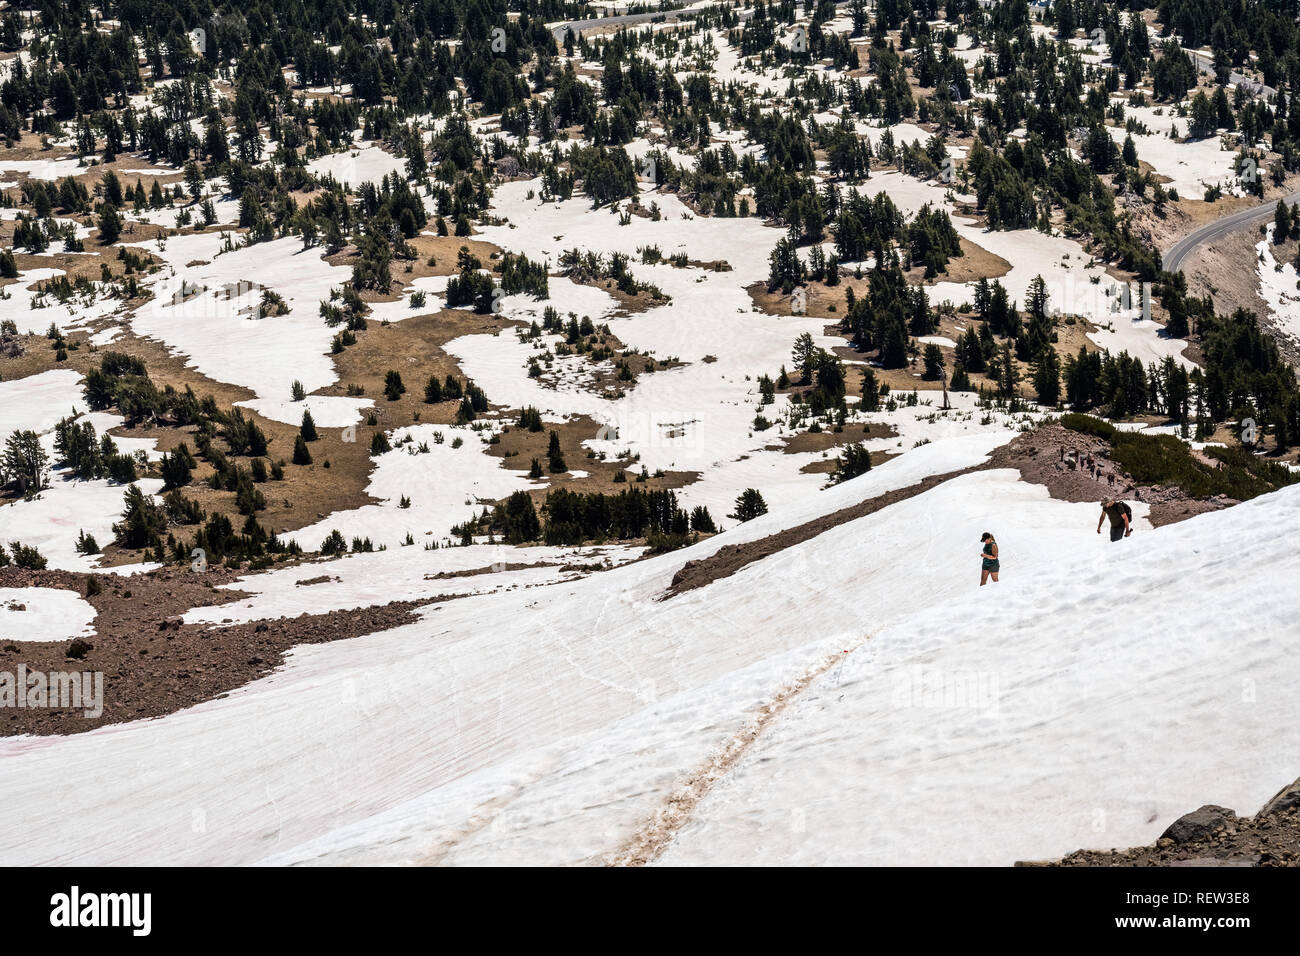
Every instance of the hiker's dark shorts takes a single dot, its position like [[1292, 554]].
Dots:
[[993, 565], [1116, 532]]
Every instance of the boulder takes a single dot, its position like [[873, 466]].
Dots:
[[1286, 798], [1199, 824]]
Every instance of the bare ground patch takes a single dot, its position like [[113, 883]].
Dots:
[[153, 663]]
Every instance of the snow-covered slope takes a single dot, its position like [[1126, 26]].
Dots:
[[1123, 683], [1090, 705]]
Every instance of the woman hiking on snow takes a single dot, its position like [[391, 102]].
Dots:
[[989, 554]]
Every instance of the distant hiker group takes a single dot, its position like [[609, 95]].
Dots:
[[1074, 460]]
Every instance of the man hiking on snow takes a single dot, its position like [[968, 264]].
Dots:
[[1120, 515]]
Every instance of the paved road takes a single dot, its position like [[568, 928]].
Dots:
[[1203, 61], [579, 26], [1172, 260]]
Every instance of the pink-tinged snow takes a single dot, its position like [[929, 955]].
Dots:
[[37, 402], [366, 579], [534, 725], [779, 476], [1094, 52], [52, 521], [1142, 338], [225, 208], [641, 147], [1279, 287], [904, 134], [1068, 273], [79, 230], [48, 614], [730, 67], [910, 194], [446, 485], [225, 339], [327, 411]]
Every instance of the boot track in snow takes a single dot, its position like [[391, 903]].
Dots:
[[655, 835]]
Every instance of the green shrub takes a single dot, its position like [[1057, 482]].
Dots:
[[1167, 460], [1088, 425]]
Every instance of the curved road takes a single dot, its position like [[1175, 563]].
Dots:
[[1172, 260], [1205, 63]]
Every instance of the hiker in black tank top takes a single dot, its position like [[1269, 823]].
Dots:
[[989, 563]]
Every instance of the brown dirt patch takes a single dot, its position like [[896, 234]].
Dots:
[[518, 447], [825, 440], [414, 349], [975, 263], [1076, 467], [153, 664]]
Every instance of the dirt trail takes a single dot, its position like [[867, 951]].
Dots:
[[658, 832]]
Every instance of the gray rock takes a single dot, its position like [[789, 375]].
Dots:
[[1285, 799], [1198, 824]]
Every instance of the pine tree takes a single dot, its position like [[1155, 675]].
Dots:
[[1281, 222], [870, 390], [1130, 151], [702, 521], [854, 460], [555, 455], [110, 225], [24, 462], [143, 521], [1008, 371], [749, 505], [393, 387], [960, 380], [933, 363], [301, 456], [307, 431], [1047, 377]]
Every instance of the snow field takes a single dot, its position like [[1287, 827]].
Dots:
[[48, 614]]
